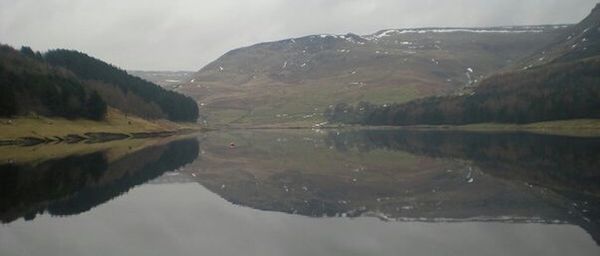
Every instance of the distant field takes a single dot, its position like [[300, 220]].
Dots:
[[166, 79]]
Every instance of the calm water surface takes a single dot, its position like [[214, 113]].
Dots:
[[308, 192]]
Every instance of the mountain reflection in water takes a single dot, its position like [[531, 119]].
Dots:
[[76, 184], [396, 176], [427, 176]]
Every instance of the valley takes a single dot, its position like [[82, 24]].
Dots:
[[300, 127], [167, 79]]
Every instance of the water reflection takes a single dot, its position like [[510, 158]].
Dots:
[[372, 191], [400, 175], [569, 167], [76, 184]]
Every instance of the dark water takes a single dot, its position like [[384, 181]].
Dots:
[[365, 192]]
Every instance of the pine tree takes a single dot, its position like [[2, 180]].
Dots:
[[96, 107]]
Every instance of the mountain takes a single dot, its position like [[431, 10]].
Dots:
[[577, 42], [560, 81], [294, 80]]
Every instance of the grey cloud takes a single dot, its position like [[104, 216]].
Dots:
[[187, 34]]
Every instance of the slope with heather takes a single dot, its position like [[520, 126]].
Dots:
[[294, 80], [564, 83]]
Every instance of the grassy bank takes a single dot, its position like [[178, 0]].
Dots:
[[115, 122]]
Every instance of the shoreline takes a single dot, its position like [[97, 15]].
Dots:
[[575, 127], [30, 131], [34, 130], [92, 137]]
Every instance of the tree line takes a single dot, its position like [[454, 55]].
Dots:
[[551, 92], [72, 84], [28, 85], [175, 106]]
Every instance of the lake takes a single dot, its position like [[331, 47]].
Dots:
[[305, 192]]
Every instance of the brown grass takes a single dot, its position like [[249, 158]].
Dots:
[[116, 122]]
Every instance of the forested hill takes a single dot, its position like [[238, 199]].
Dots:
[[27, 84], [71, 84], [152, 100], [563, 84]]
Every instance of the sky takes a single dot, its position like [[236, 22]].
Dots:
[[188, 34]]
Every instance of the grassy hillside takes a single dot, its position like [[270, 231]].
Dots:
[[115, 122], [550, 92], [565, 87], [576, 42], [295, 80]]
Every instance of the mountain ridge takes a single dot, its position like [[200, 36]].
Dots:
[[579, 41], [275, 82], [558, 82]]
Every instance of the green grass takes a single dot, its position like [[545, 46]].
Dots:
[[224, 116], [115, 122], [398, 94], [303, 104]]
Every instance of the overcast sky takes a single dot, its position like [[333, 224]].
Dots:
[[188, 34]]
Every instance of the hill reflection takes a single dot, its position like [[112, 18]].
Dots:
[[76, 184], [409, 175]]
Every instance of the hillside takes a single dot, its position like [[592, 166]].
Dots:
[[27, 84], [71, 84], [134, 95], [576, 42], [562, 84], [67, 96], [294, 80], [34, 129]]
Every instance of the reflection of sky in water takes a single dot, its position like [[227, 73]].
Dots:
[[186, 219]]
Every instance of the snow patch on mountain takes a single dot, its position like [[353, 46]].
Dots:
[[391, 32]]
